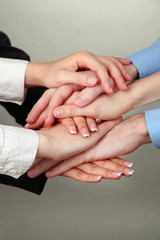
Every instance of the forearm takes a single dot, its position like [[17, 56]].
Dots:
[[139, 93], [35, 74]]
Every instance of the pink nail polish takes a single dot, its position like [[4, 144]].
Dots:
[[93, 127], [73, 130], [128, 164], [97, 178], [128, 171], [85, 132], [116, 174]]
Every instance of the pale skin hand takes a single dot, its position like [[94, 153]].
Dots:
[[87, 172], [107, 107], [55, 97], [64, 71], [123, 139], [56, 144]]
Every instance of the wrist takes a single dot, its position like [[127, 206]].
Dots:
[[142, 130], [132, 71], [42, 150], [34, 75]]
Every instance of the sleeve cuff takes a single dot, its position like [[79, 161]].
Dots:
[[153, 125], [147, 61], [18, 147], [12, 74]]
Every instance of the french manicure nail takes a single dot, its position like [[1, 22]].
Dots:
[[116, 174], [92, 80], [98, 120], [73, 130], [58, 112], [93, 127], [128, 164], [98, 178], [85, 132], [128, 171]]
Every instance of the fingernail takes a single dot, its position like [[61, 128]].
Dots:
[[27, 125], [73, 130], [128, 76], [92, 80], [124, 85], [98, 120], [85, 132], [97, 178], [116, 174], [80, 101], [110, 90], [128, 171], [58, 112], [30, 173], [93, 127], [128, 164]]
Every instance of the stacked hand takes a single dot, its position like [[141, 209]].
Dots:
[[93, 158]]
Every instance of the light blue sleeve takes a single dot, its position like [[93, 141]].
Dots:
[[147, 61], [153, 125]]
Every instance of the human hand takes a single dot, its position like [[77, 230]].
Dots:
[[65, 70], [42, 114], [89, 94], [56, 144], [87, 172], [123, 139]]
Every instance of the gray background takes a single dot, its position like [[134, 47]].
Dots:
[[112, 210]]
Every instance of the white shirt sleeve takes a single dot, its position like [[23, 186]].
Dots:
[[12, 73], [18, 147]]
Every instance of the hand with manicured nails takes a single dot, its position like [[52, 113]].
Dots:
[[123, 139], [87, 172], [56, 144]]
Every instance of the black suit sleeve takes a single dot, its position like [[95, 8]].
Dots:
[[20, 113]]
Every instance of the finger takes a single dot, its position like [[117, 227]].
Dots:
[[124, 61], [122, 162], [70, 125], [88, 95], [40, 106], [100, 171], [88, 60], [115, 73], [81, 176], [38, 123], [70, 110], [91, 124], [82, 126], [40, 168], [58, 99], [36, 162], [123, 70], [113, 166], [80, 78], [80, 158]]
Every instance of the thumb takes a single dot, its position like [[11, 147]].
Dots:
[[69, 110]]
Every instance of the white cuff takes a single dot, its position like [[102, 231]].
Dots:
[[18, 147], [12, 74]]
